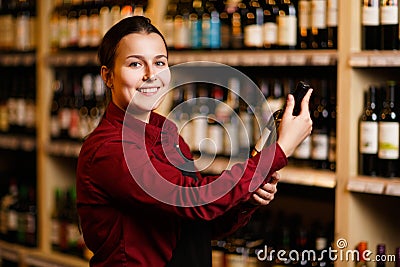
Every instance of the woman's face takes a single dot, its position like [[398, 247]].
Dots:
[[140, 77]]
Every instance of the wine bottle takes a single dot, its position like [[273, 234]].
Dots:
[[370, 25], [73, 25], [7, 30], [270, 26], [389, 21], [298, 94], [195, 24], [287, 25], [181, 26], [388, 125], [253, 26], [304, 28], [319, 31], [380, 255], [332, 23], [83, 24], [368, 144], [361, 248], [94, 24]]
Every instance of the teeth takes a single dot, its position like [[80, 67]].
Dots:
[[148, 90]]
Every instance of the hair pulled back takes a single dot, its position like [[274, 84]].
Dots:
[[109, 44]]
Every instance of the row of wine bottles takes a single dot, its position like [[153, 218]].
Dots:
[[80, 24], [251, 24], [379, 131], [380, 25], [65, 235], [18, 25], [18, 214], [17, 100], [367, 257], [79, 101], [258, 243], [216, 121]]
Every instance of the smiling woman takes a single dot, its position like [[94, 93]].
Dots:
[[134, 147]]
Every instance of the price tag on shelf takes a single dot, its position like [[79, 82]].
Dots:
[[393, 189], [297, 60], [356, 186], [378, 61], [280, 60], [374, 188], [321, 60]]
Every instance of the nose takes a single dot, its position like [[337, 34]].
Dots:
[[149, 73]]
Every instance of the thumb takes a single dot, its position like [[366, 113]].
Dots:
[[289, 106]]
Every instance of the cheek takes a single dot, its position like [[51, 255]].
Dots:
[[165, 76]]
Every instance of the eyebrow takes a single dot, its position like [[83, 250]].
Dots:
[[143, 58]]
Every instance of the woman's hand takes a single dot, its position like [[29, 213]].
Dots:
[[294, 129], [266, 193]]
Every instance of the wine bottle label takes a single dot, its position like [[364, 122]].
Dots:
[[215, 31], [72, 234], [55, 232], [303, 151], [253, 36], [22, 41], [115, 14], [368, 137], [83, 25], [168, 32], [318, 14], [7, 31], [320, 146], [73, 32], [4, 124], [181, 33], [63, 32], [12, 110], [199, 131], [304, 14], [216, 136], [287, 30], [195, 33], [65, 118], [94, 30], [30, 114], [20, 111], [206, 31], [12, 220], [105, 20], [388, 140], [332, 148], [270, 33], [55, 126], [218, 258], [332, 13], [370, 16], [30, 223], [389, 15]]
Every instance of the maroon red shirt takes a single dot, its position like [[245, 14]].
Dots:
[[134, 199]]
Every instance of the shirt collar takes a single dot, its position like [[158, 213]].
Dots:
[[133, 129]]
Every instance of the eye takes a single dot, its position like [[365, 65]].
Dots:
[[161, 63], [135, 64]]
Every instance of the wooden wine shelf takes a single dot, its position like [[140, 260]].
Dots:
[[289, 174], [229, 57], [374, 185], [17, 142], [64, 148], [17, 59], [33, 257], [376, 58]]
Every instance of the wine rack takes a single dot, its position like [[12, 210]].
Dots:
[[365, 208]]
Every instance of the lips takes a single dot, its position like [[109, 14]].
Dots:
[[148, 90]]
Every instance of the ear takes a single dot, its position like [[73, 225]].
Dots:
[[107, 76]]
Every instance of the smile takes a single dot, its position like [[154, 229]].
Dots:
[[150, 90]]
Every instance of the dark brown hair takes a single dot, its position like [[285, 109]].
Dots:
[[109, 44]]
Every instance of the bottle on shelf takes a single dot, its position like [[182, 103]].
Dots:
[[319, 30], [168, 23], [381, 254], [7, 30], [388, 133], [237, 26], [368, 127], [304, 25], [370, 29], [270, 26], [25, 25], [195, 19], [361, 248], [55, 220], [332, 23], [389, 22], [320, 133], [253, 25], [73, 25], [287, 25]]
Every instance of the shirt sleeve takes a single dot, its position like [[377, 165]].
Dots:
[[147, 182]]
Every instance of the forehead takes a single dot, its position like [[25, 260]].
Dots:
[[141, 43]]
